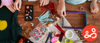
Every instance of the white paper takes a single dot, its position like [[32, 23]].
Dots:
[[66, 23], [54, 29]]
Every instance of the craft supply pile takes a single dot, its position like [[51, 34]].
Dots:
[[51, 28]]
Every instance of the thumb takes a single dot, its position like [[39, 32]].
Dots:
[[92, 9], [64, 13], [1, 6]]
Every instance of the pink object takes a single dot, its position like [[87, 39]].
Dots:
[[6, 2], [23, 19], [18, 21], [53, 40]]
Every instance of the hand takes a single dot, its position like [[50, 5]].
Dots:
[[61, 10], [1, 6], [11, 8], [94, 7], [17, 4], [44, 2]]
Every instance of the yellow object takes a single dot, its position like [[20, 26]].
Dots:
[[68, 41], [3, 25], [24, 34], [57, 18], [57, 41], [50, 24]]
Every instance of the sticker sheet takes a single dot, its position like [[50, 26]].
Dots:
[[38, 31]]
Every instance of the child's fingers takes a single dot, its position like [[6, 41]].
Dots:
[[1, 6], [91, 9], [44, 3], [41, 2], [11, 8], [64, 13], [96, 10], [59, 13], [47, 2], [20, 6], [16, 6]]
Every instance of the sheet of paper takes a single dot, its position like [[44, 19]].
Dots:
[[44, 37], [54, 29], [75, 35]]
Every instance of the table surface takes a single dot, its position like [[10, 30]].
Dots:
[[92, 19]]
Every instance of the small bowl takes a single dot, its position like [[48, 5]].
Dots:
[[69, 34]]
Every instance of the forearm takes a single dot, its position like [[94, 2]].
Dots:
[[94, 1], [61, 1]]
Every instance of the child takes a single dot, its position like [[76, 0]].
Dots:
[[17, 5], [62, 10], [8, 4]]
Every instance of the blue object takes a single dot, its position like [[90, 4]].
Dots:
[[46, 15], [47, 19], [44, 18], [50, 35], [32, 24], [75, 2]]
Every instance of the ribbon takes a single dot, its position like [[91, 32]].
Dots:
[[49, 7], [59, 28]]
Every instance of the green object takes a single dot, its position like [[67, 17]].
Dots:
[[77, 38], [86, 19], [13, 31], [68, 41], [42, 33], [31, 6]]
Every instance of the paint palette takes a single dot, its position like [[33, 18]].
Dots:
[[28, 12], [38, 31]]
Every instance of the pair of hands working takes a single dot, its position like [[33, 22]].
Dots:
[[17, 5], [61, 10]]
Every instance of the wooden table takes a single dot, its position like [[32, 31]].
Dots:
[[37, 12]]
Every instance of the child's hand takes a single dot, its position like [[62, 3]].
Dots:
[[61, 9], [44, 2], [94, 7], [17, 4], [1, 6], [11, 8]]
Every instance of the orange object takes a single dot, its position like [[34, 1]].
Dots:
[[27, 7]]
